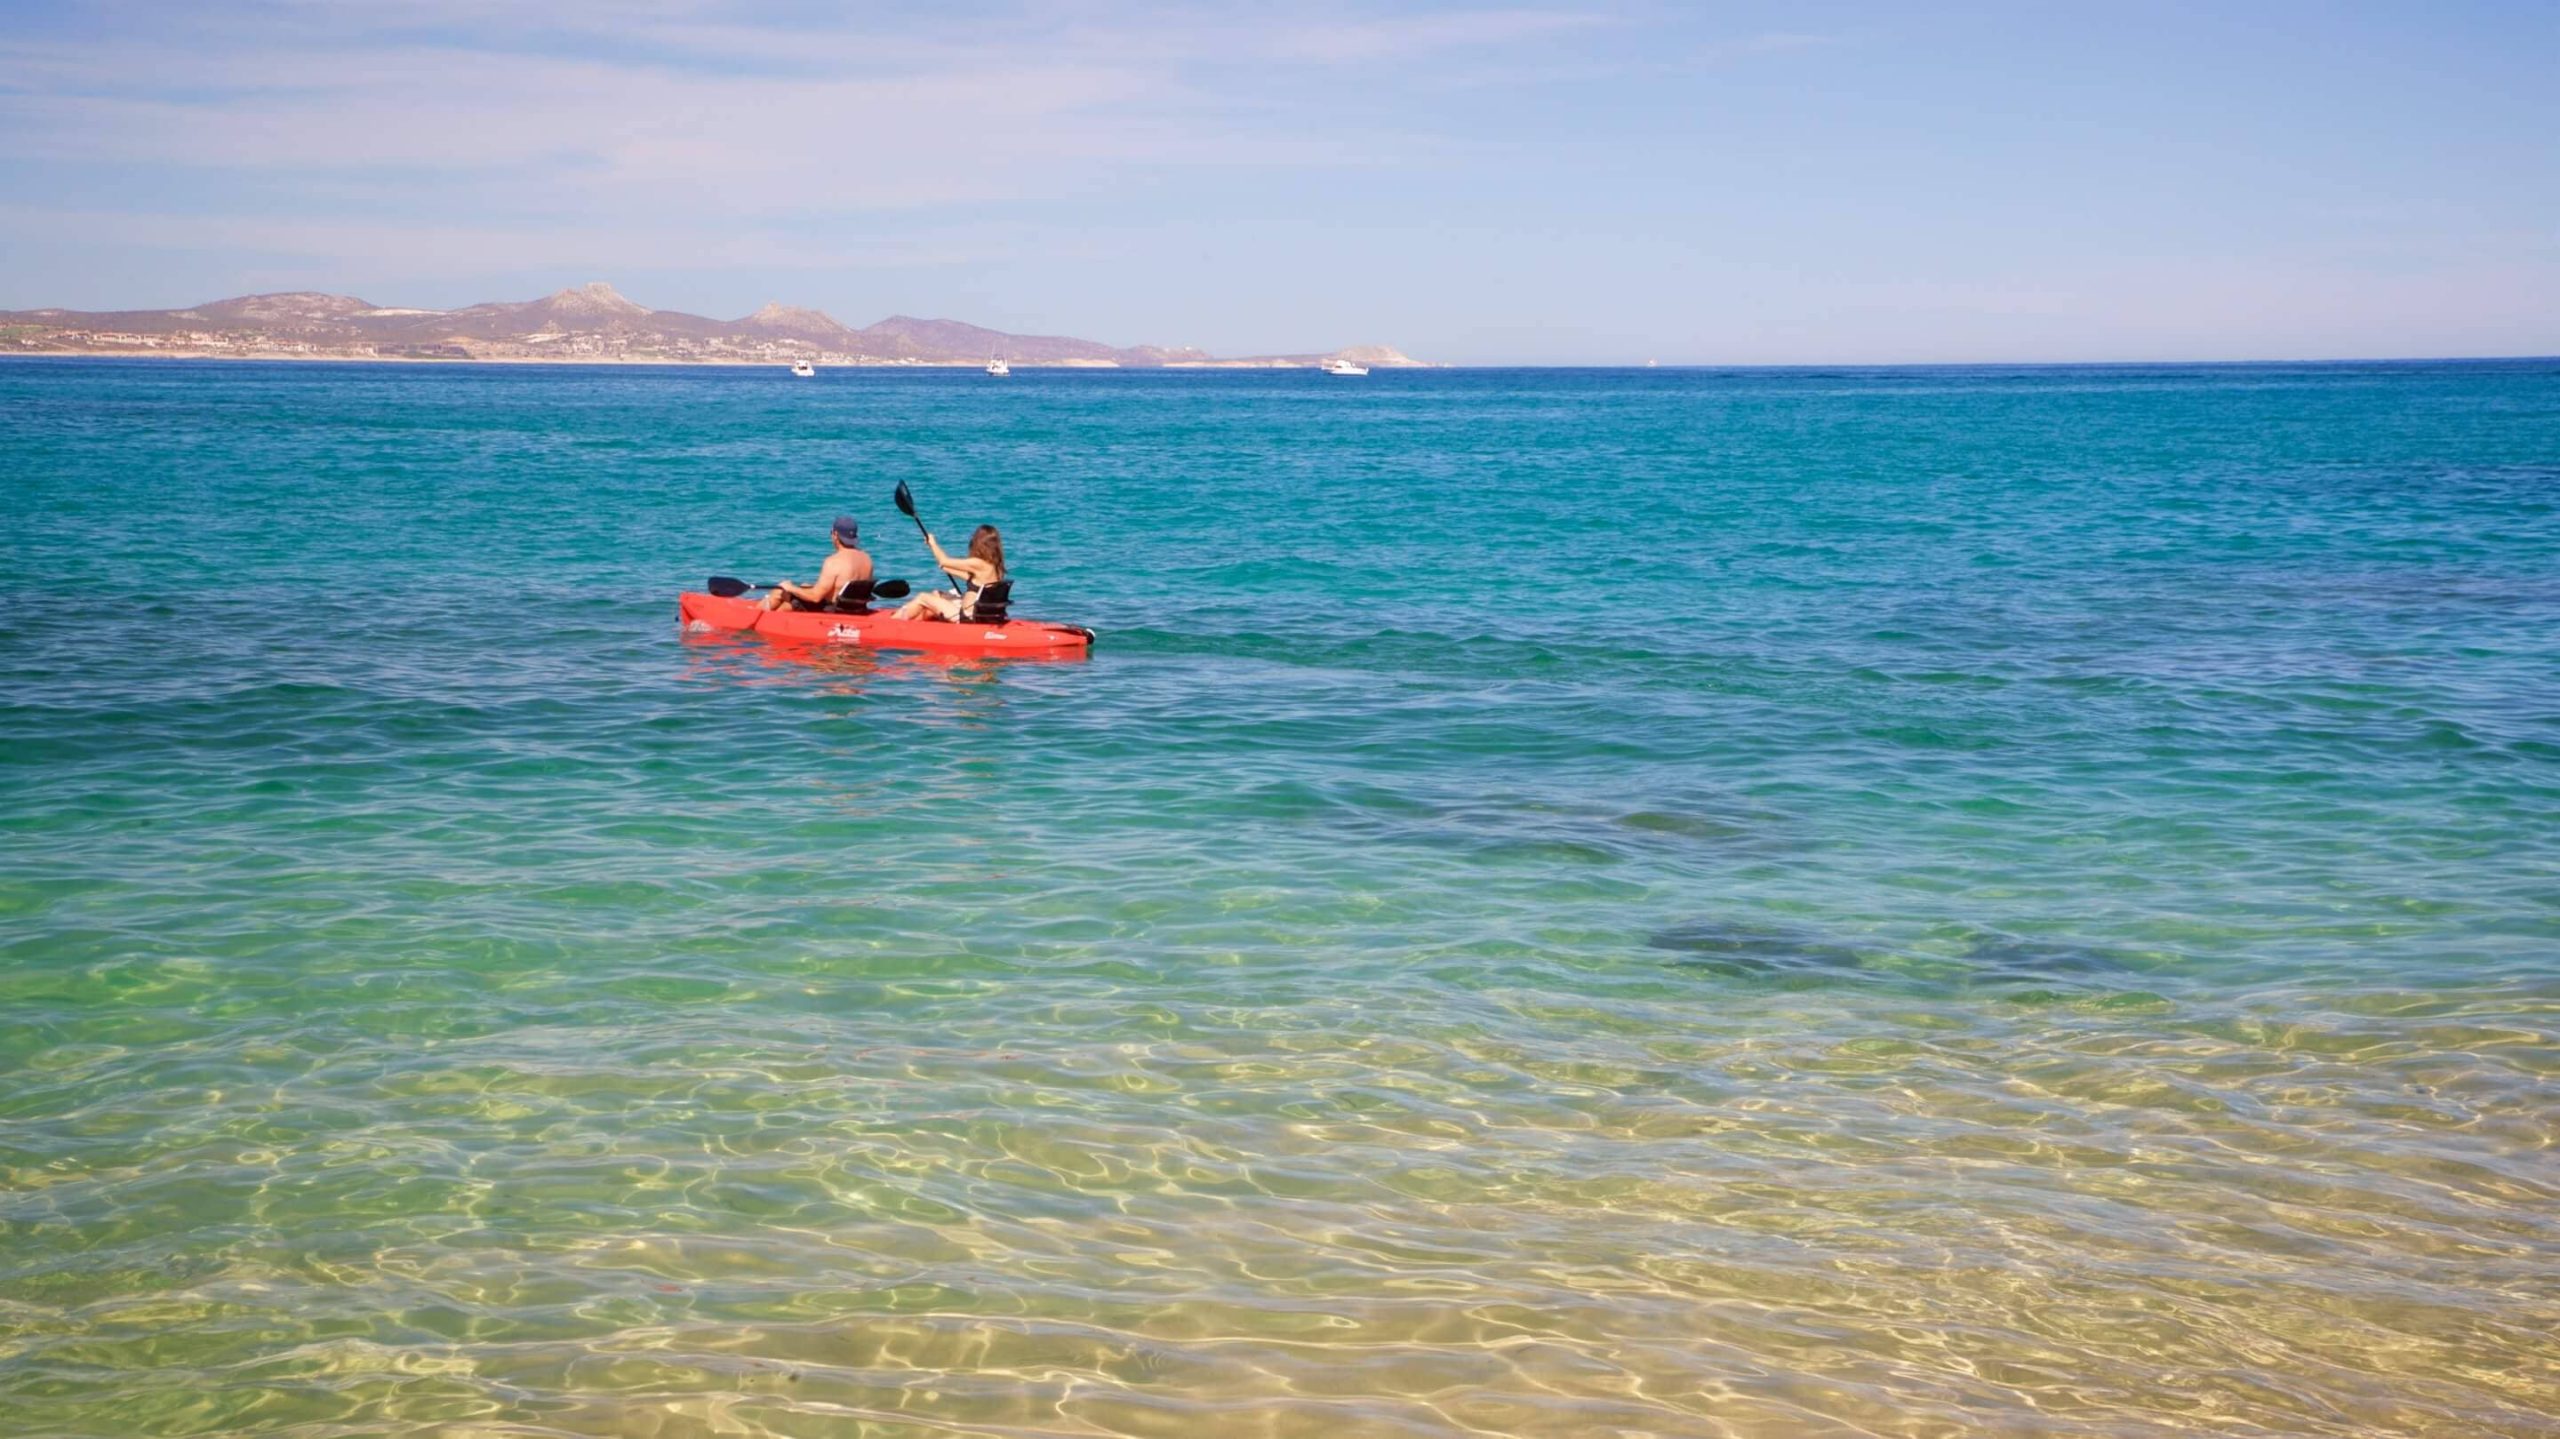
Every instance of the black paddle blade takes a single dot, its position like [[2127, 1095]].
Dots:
[[906, 502], [891, 590], [727, 588]]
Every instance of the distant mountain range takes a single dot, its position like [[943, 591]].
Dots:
[[587, 323]]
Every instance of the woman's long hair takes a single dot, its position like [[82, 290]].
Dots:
[[987, 545]]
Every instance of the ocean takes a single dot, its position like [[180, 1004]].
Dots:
[[1704, 902]]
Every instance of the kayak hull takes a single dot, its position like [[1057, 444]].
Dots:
[[879, 630]]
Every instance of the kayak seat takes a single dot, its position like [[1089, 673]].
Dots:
[[853, 599], [990, 608]]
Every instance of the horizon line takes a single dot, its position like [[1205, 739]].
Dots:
[[2537, 357]]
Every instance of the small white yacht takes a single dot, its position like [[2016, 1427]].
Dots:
[[1342, 367], [803, 368], [997, 366]]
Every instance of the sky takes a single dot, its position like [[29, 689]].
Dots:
[[1699, 183]]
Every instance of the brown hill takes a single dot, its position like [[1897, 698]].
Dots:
[[586, 321], [587, 310], [793, 322], [299, 307], [903, 336]]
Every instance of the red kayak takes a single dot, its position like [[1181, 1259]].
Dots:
[[880, 630]]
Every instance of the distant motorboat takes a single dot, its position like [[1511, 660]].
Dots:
[[1342, 367], [997, 366], [803, 368]]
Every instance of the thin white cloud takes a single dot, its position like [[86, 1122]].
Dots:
[[1402, 38], [360, 247], [968, 125]]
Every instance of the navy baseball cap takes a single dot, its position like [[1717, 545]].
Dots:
[[847, 530]]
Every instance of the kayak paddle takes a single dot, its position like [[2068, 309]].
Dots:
[[907, 507], [729, 588]]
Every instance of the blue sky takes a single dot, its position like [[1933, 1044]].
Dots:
[[1697, 183]]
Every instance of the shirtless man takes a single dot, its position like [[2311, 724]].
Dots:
[[846, 566]]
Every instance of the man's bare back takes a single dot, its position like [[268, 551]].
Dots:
[[850, 564]]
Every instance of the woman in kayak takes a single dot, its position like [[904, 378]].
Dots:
[[981, 567]]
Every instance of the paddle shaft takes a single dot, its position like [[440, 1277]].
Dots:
[[907, 503], [729, 588]]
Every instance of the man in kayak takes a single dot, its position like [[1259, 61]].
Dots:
[[849, 565]]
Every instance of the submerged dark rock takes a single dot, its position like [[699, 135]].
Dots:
[[2007, 958], [1756, 951], [1985, 957]]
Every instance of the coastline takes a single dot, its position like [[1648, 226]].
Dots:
[[662, 361]]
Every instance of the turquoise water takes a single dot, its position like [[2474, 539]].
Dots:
[[1897, 902]]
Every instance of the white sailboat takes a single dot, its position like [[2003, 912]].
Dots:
[[997, 366]]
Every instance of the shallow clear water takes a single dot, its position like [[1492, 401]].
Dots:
[[1895, 902]]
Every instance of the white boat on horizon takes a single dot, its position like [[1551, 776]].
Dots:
[[803, 368], [1340, 366], [997, 366]]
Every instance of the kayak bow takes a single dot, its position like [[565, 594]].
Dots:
[[881, 630]]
